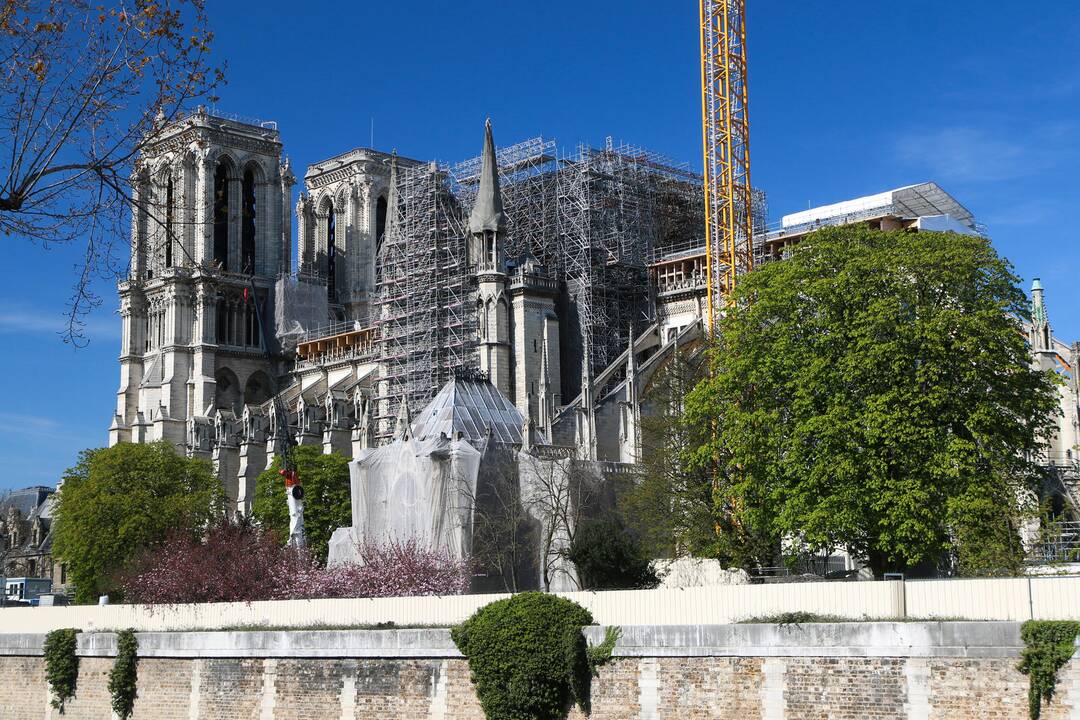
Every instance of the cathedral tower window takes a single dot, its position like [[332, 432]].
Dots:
[[169, 229], [331, 253], [222, 321], [247, 240], [221, 215], [380, 220]]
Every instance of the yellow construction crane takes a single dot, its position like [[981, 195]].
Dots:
[[725, 126]]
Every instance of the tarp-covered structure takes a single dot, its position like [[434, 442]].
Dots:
[[456, 477]]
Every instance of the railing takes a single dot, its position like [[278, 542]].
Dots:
[[338, 328]]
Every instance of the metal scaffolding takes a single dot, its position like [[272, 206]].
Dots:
[[594, 217], [423, 309]]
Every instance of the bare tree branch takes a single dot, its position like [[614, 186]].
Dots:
[[83, 88]]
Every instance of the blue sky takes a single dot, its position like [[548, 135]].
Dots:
[[847, 98]]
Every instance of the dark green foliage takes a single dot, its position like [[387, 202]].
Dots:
[[1048, 645], [326, 498], [120, 501], [123, 678], [528, 658], [61, 665], [670, 507], [609, 557], [874, 392]]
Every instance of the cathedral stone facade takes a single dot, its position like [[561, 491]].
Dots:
[[207, 306], [218, 321]]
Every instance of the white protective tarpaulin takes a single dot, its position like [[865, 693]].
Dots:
[[412, 489]]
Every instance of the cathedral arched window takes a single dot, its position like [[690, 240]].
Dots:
[[221, 215], [247, 239], [222, 321], [380, 220], [169, 229], [331, 253]]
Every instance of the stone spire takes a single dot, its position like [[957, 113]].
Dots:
[[1040, 323], [586, 430], [543, 412], [487, 213]]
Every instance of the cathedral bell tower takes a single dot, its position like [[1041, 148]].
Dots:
[[487, 235], [209, 236]]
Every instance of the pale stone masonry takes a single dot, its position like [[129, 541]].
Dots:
[[909, 671]]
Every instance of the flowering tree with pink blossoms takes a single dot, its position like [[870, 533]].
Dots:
[[243, 563], [394, 569]]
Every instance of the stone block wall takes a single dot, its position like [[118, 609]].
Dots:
[[912, 671]]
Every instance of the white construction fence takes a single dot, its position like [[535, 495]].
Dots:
[[1055, 598]]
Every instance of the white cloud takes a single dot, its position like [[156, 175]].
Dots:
[[972, 154], [16, 319]]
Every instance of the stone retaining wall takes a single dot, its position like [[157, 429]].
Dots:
[[843, 670]]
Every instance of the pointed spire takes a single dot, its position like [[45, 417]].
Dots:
[[631, 361], [587, 428], [1038, 302], [487, 213]]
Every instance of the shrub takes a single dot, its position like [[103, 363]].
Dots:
[[527, 656], [61, 665], [123, 678], [609, 557], [1048, 644]]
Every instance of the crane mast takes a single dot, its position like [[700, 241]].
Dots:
[[726, 146]]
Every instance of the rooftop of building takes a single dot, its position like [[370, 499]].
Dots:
[[357, 155], [212, 118], [910, 202], [469, 406]]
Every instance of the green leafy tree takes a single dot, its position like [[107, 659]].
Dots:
[[119, 501], [669, 507], [327, 504], [874, 392], [608, 556]]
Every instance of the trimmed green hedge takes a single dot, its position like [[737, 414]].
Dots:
[[61, 665], [528, 657], [1048, 645]]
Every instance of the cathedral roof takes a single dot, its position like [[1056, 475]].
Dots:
[[470, 406], [487, 212]]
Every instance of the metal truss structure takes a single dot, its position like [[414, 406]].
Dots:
[[596, 218], [729, 227]]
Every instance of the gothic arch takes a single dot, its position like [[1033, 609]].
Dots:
[[224, 157], [256, 169], [257, 389], [323, 203], [252, 206], [381, 218], [502, 318], [227, 394], [224, 172]]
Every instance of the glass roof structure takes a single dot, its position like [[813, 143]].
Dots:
[[469, 407]]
